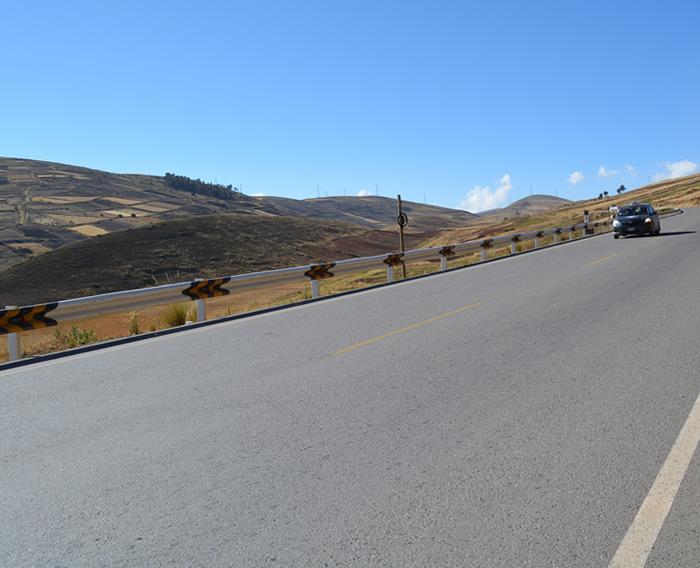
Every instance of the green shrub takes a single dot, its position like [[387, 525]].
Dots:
[[75, 337]]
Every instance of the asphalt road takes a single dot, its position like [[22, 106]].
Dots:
[[512, 414]]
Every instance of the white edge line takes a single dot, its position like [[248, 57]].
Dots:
[[642, 534]]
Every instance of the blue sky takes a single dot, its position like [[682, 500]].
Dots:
[[470, 103]]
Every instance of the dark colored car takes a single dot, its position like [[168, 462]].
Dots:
[[636, 219]]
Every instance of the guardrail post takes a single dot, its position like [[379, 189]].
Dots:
[[557, 235], [515, 239], [572, 233], [315, 292], [14, 344], [392, 261], [445, 254], [14, 347], [485, 246], [538, 236], [201, 310], [318, 272]]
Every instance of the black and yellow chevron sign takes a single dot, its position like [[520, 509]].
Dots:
[[201, 289], [25, 319], [320, 271], [394, 260], [448, 251]]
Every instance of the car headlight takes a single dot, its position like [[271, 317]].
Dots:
[[617, 223], [648, 220]]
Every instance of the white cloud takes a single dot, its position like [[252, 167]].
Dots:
[[630, 169], [604, 172], [482, 198], [258, 195], [364, 193], [576, 177], [676, 169]]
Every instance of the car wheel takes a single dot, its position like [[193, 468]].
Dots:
[[616, 236]]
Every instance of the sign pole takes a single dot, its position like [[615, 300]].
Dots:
[[402, 221]]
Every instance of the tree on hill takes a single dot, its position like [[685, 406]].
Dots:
[[184, 183], [600, 196], [605, 193], [621, 189]]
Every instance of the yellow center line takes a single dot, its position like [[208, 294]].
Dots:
[[406, 328], [613, 255]]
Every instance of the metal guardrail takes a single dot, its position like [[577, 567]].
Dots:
[[15, 320]]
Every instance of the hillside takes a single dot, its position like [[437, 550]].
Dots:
[[530, 205], [371, 212], [680, 192], [45, 205], [181, 250]]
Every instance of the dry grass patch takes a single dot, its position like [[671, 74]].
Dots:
[[89, 230], [36, 248], [122, 200]]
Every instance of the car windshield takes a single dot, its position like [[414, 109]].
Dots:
[[633, 210]]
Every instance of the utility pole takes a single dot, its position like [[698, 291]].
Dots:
[[318, 190], [376, 190]]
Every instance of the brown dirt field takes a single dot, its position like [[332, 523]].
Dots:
[[127, 213], [62, 220], [61, 200], [154, 208]]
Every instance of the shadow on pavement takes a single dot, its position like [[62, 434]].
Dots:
[[662, 234]]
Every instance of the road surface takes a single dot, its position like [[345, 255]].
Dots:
[[511, 414]]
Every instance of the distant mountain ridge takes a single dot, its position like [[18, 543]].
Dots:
[[530, 205]]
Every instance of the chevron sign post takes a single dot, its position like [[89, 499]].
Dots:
[[318, 272]]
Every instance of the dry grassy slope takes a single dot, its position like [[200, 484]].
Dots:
[[681, 192], [181, 250], [44, 205], [372, 212]]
